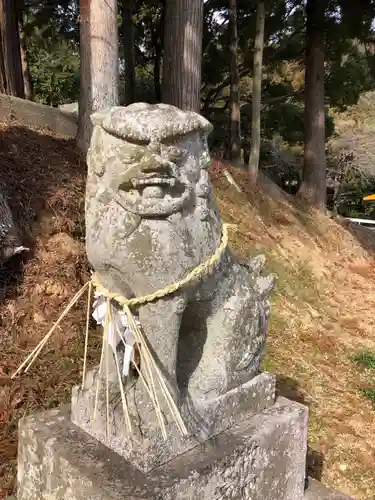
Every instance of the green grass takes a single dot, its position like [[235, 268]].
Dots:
[[366, 360], [369, 393], [297, 282]]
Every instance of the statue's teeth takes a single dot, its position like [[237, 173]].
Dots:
[[153, 182], [153, 192]]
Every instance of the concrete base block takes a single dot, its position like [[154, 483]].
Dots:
[[32, 114], [261, 457], [145, 447], [317, 491]]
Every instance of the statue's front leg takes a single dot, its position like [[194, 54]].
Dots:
[[160, 321]]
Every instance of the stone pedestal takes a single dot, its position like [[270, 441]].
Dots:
[[317, 491], [145, 447], [261, 457]]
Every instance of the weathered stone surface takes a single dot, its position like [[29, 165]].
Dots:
[[262, 457], [35, 115], [317, 491], [10, 239], [70, 109], [150, 219], [147, 449]]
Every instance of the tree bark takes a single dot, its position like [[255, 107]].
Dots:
[[182, 62], [27, 82], [256, 94], [158, 37], [157, 63], [99, 63], [127, 29], [234, 152], [313, 186], [10, 41], [3, 79]]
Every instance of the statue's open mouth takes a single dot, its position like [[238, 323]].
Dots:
[[152, 185], [154, 194]]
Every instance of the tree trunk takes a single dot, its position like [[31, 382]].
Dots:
[[3, 80], [234, 152], [99, 63], [256, 94], [157, 63], [27, 82], [158, 37], [128, 41], [182, 62], [10, 41], [313, 186]]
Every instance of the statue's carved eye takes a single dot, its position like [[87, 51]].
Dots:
[[129, 159], [96, 164], [99, 169], [176, 154], [131, 154], [205, 160]]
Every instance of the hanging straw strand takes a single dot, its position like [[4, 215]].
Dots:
[[89, 293], [99, 377], [122, 392], [35, 353], [106, 341], [167, 396]]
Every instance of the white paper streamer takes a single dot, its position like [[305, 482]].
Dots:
[[118, 328], [127, 359]]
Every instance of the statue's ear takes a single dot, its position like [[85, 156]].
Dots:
[[98, 117]]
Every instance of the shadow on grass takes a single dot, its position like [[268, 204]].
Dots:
[[290, 389], [364, 235]]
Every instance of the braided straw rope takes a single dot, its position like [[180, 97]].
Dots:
[[196, 273]]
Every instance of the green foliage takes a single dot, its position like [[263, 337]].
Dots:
[[50, 31], [218, 140], [354, 187], [287, 119], [54, 71], [145, 90], [349, 75]]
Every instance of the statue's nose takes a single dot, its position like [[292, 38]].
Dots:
[[156, 163]]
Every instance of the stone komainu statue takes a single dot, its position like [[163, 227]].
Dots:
[[150, 219], [10, 241]]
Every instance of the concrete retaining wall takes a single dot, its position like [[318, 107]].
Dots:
[[38, 116]]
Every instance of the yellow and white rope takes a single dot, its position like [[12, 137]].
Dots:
[[196, 273]]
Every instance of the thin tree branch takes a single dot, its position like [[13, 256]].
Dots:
[[213, 93]]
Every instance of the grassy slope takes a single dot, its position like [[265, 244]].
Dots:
[[322, 310], [322, 314]]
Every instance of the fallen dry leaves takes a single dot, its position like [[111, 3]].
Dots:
[[323, 313], [45, 182]]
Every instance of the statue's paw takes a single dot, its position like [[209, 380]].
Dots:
[[257, 264], [265, 285], [195, 424]]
